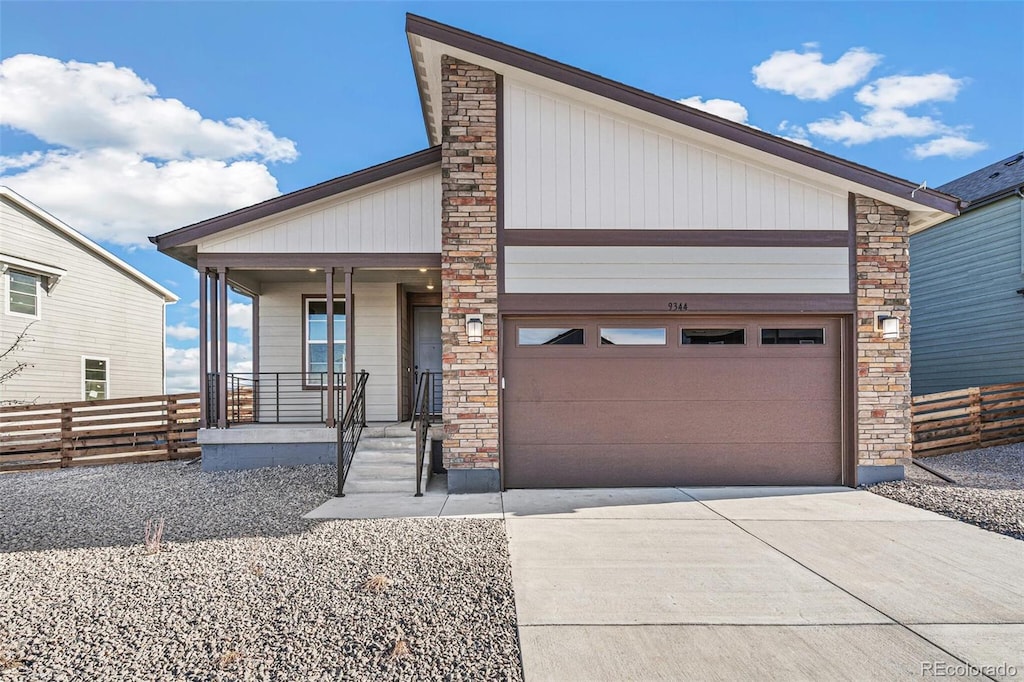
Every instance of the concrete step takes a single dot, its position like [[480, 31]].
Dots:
[[364, 487], [366, 471]]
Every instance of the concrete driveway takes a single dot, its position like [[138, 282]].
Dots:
[[788, 584]]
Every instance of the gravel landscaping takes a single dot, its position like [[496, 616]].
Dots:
[[988, 490], [242, 588]]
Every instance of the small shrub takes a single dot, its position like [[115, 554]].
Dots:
[[377, 584], [400, 650], [229, 659]]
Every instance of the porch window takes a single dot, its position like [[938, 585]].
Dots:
[[95, 378], [316, 340], [22, 293]]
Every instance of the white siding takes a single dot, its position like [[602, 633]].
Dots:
[[95, 310], [571, 165], [399, 216], [376, 337], [676, 269]]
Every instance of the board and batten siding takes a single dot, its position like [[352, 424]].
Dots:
[[571, 165], [95, 310], [376, 337], [968, 317], [671, 269], [400, 215]]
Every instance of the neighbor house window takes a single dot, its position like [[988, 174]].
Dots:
[[633, 336], [96, 378], [316, 340], [550, 336], [22, 293], [801, 337]]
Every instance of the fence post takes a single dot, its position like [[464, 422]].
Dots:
[[974, 394], [172, 426], [66, 436]]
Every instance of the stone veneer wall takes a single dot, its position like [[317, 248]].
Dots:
[[883, 366], [469, 277]]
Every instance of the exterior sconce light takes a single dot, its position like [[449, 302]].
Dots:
[[888, 325], [475, 328]]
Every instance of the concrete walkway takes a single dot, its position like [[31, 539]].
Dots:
[[741, 583]]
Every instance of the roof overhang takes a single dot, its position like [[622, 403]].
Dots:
[[81, 240], [181, 244], [429, 40]]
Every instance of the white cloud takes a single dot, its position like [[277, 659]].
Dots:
[[877, 124], [726, 108], [903, 92], [952, 146], [182, 331], [240, 316], [806, 75], [83, 106], [181, 366], [128, 163], [796, 133]]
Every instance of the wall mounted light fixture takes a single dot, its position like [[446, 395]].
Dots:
[[888, 325], [475, 328]]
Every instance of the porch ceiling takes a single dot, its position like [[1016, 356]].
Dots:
[[412, 278]]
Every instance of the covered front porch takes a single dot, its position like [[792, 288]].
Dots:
[[315, 366]]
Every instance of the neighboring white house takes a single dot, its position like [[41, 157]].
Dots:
[[95, 324]]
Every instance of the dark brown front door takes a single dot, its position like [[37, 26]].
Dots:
[[672, 401]]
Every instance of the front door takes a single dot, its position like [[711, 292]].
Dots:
[[426, 323]]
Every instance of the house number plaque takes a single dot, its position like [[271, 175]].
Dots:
[[676, 306]]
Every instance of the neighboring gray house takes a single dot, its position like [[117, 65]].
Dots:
[[97, 324], [967, 285]]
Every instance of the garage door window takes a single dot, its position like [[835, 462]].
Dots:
[[714, 337], [549, 336], [801, 337], [633, 336]]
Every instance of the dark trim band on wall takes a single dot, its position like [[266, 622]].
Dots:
[[598, 237], [382, 171], [320, 260], [668, 304], [673, 111]]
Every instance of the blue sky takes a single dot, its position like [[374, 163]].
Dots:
[[212, 106]]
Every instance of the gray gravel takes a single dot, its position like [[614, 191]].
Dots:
[[988, 489], [243, 589]]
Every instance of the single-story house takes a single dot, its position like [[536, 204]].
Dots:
[[619, 290], [95, 325], [967, 285]]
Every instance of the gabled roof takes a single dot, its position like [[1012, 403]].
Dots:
[[172, 242], [420, 29], [75, 236], [990, 183]]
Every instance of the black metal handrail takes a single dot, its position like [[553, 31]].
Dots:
[[430, 383], [421, 409], [351, 429], [275, 397]]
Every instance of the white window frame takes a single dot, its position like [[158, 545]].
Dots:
[[306, 372], [106, 380], [39, 294]]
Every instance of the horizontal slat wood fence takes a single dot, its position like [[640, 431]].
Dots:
[[117, 431], [966, 419]]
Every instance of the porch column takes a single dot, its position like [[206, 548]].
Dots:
[[350, 337], [222, 361], [204, 339], [255, 335], [329, 295]]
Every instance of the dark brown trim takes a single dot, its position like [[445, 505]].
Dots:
[[222, 322], [673, 111], [350, 339], [255, 335], [658, 304], [786, 238], [329, 308], [320, 260], [213, 355], [204, 348], [424, 300], [849, 369], [360, 178]]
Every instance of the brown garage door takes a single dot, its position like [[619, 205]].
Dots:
[[678, 401]]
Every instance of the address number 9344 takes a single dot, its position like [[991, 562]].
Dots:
[[676, 306]]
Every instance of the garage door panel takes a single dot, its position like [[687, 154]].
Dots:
[[731, 414], [551, 466], [587, 379], [693, 421]]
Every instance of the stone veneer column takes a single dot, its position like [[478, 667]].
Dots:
[[883, 366], [469, 276]]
